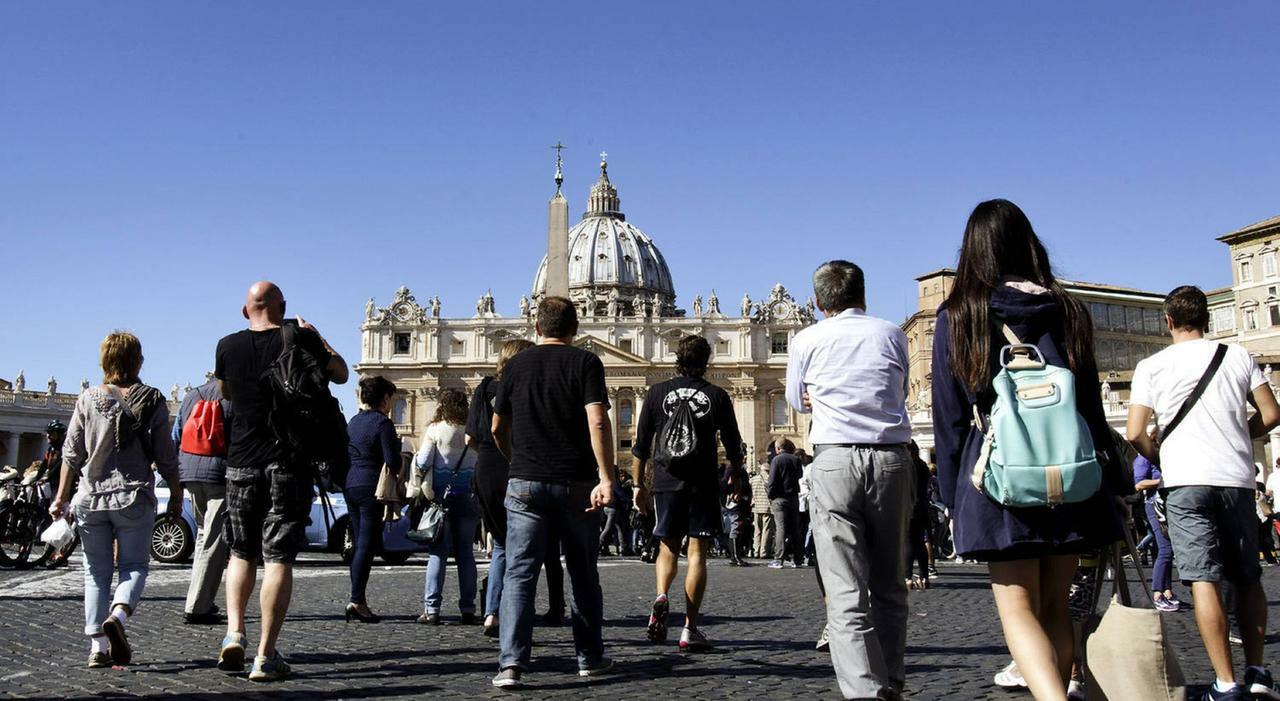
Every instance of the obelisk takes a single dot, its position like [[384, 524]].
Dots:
[[558, 237]]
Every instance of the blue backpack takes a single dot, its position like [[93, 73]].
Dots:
[[1037, 449]]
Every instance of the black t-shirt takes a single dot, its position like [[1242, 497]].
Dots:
[[241, 360], [712, 410], [545, 391], [480, 415]]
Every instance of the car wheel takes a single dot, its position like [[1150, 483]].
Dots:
[[172, 540], [348, 542], [396, 557]]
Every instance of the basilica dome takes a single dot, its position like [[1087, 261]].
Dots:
[[612, 260]]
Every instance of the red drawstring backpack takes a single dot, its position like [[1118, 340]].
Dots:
[[204, 433]]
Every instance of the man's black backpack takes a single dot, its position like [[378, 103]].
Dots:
[[304, 415], [676, 444]]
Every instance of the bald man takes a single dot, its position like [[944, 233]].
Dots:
[[268, 495]]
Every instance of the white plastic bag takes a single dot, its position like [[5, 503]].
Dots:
[[59, 533]]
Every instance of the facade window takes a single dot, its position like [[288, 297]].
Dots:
[[626, 444], [781, 412], [402, 344], [1099, 313], [625, 344], [1116, 314], [1134, 317], [1273, 314], [626, 413], [722, 347], [457, 348], [1223, 320], [778, 343], [1153, 321], [928, 340], [1251, 319], [1246, 271], [1269, 265], [400, 411]]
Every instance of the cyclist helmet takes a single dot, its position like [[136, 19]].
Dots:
[[55, 426]]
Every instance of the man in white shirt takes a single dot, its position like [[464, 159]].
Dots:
[[1207, 463], [850, 369]]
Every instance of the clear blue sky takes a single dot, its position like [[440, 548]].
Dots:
[[155, 158]]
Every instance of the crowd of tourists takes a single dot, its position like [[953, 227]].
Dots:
[[1030, 473]]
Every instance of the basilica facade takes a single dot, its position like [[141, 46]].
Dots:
[[630, 317]]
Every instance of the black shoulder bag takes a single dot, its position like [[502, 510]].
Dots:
[[431, 525]]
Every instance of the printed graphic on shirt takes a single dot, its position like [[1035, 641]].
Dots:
[[698, 401]]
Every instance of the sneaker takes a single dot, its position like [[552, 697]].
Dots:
[[604, 665], [1075, 690], [231, 658], [118, 642], [429, 619], [823, 643], [658, 620], [1010, 677], [692, 640], [1258, 683], [509, 678], [97, 660], [1234, 638], [1235, 694], [1174, 600], [775, 565], [269, 669], [1163, 604]]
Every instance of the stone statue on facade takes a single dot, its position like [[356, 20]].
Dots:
[[480, 307], [370, 309], [53, 386], [811, 309], [697, 305], [435, 307], [614, 303], [713, 303], [637, 307], [746, 305], [524, 306], [173, 393], [656, 311], [20, 382]]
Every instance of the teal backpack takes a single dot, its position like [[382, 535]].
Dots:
[[1036, 450]]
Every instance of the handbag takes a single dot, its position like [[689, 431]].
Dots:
[[1127, 653], [430, 525]]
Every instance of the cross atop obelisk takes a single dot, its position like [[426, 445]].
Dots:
[[559, 162]]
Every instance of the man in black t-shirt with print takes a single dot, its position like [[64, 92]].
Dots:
[[687, 504], [268, 494], [551, 419]]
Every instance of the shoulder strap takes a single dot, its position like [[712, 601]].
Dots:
[[1200, 387], [1009, 335]]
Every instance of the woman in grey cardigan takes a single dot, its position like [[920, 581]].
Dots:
[[118, 429]]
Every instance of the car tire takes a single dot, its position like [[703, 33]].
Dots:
[[172, 540], [348, 541]]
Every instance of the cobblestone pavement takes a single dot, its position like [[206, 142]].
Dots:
[[763, 621]]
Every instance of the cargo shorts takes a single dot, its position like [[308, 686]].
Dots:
[[268, 510], [1214, 533]]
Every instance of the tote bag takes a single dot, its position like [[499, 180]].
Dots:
[[1127, 652]]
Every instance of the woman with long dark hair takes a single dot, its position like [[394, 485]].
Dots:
[[492, 472], [1004, 278]]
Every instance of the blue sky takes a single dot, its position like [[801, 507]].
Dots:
[[156, 158]]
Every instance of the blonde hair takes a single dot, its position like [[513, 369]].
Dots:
[[121, 358], [508, 351]]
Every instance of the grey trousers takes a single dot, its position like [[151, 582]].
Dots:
[[861, 500], [209, 504], [788, 543], [763, 539]]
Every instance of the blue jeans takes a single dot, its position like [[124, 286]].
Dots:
[[459, 535], [366, 521], [533, 508], [497, 570], [115, 542], [1162, 571]]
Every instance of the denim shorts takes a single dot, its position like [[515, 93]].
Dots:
[[268, 509], [1214, 532]]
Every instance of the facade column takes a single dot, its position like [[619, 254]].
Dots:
[[1274, 443], [744, 406], [11, 445], [613, 421]]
